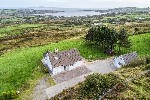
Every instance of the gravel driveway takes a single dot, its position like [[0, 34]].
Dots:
[[38, 92], [101, 66], [52, 91]]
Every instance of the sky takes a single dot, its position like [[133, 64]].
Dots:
[[75, 3]]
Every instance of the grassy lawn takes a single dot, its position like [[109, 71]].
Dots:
[[141, 44], [17, 67]]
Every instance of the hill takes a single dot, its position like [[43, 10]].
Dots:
[[18, 66]]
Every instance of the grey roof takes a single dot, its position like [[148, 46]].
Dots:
[[128, 58], [65, 58]]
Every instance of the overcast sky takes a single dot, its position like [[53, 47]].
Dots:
[[75, 3]]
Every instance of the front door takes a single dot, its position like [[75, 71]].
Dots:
[[64, 68]]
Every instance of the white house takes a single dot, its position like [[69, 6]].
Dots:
[[62, 61]]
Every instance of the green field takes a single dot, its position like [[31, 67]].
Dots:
[[17, 29], [131, 16], [16, 67], [10, 20], [141, 43]]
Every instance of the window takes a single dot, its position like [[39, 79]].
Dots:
[[119, 63]]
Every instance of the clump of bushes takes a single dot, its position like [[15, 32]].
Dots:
[[10, 95], [147, 59], [97, 84], [147, 67]]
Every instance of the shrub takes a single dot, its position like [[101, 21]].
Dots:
[[10, 95], [96, 84], [147, 59], [44, 69], [147, 67]]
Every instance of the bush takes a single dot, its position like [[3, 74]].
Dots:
[[147, 59], [96, 84], [44, 69], [147, 67], [10, 95]]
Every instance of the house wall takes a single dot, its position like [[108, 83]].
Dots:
[[61, 68], [46, 61], [49, 63], [67, 68], [58, 69], [77, 64], [119, 61]]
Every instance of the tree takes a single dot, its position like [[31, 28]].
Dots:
[[107, 38], [102, 37], [123, 39], [136, 30]]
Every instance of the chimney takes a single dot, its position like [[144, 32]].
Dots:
[[56, 50]]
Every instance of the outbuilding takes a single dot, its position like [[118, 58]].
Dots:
[[125, 59]]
